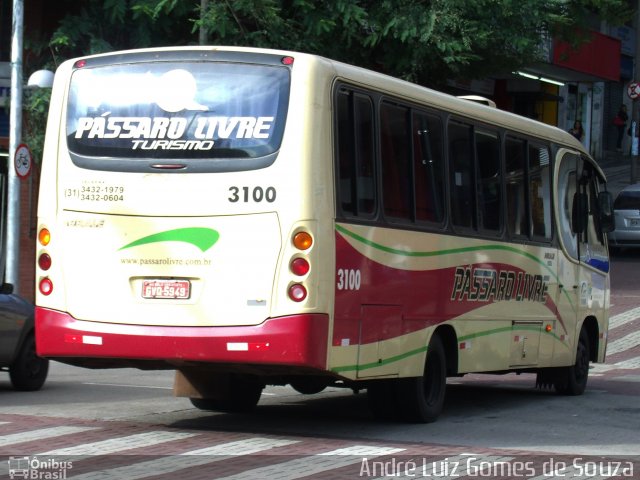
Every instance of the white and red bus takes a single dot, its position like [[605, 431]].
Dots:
[[254, 217]]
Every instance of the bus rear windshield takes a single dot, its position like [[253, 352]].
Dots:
[[176, 110]]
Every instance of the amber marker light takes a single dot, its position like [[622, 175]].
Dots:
[[302, 240], [44, 237], [548, 328]]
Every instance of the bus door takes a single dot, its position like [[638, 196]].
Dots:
[[567, 172], [583, 271], [592, 250]]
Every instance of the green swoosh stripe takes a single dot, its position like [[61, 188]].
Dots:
[[380, 363], [435, 253], [203, 238], [402, 356]]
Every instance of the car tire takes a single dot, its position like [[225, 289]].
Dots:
[[28, 372]]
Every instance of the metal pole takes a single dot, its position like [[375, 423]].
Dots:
[[635, 112], [15, 136]]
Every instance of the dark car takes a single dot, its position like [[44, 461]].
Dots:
[[626, 209], [27, 371]]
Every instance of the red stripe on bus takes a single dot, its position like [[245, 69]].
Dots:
[[390, 302]]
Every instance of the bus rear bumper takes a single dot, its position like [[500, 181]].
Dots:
[[290, 341]]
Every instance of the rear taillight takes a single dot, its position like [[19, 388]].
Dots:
[[44, 237], [45, 285], [44, 261], [302, 240], [299, 265], [297, 292]]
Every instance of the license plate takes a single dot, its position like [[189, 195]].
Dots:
[[174, 289]]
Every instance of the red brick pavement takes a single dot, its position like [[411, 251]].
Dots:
[[302, 457]]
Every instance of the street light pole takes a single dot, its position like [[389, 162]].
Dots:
[[15, 136], [635, 111]]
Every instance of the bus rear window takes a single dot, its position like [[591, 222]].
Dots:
[[176, 110]]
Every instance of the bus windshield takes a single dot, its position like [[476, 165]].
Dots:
[[174, 110]]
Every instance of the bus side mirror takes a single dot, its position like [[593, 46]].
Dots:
[[579, 212], [605, 208]]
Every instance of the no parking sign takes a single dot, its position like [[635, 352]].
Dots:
[[633, 90]]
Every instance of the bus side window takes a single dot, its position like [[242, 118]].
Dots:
[[462, 181], [517, 214], [356, 154], [594, 252], [428, 167], [395, 152], [539, 189], [567, 180], [490, 181]]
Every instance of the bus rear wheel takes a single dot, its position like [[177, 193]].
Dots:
[[240, 394], [422, 398], [573, 379]]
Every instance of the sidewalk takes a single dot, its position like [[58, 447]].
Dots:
[[617, 167]]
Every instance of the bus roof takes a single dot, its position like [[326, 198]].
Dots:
[[401, 89]]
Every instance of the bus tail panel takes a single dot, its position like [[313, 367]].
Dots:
[[295, 341], [189, 271]]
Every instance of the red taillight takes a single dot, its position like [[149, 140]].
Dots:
[[80, 63], [45, 286], [44, 261], [300, 266], [297, 292], [287, 60]]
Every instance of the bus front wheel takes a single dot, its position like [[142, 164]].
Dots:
[[573, 380], [422, 398]]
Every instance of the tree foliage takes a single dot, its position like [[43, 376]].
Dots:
[[424, 41], [427, 41]]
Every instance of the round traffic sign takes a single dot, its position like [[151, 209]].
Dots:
[[633, 90], [22, 161]]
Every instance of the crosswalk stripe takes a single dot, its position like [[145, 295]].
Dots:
[[629, 364], [311, 465], [189, 459], [114, 445], [623, 318], [40, 434], [624, 343]]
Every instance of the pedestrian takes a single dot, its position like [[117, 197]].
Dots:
[[577, 130], [620, 121]]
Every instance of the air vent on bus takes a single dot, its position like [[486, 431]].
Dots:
[[479, 99]]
